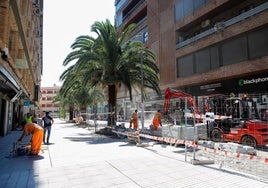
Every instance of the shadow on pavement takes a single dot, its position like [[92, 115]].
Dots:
[[93, 138]]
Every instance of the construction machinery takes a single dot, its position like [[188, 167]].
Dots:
[[237, 120], [193, 112], [226, 119]]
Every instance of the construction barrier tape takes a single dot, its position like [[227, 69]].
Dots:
[[206, 149], [176, 141]]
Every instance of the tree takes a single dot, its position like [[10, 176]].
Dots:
[[75, 95], [66, 102], [110, 60]]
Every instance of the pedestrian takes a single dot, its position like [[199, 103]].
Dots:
[[37, 133], [47, 123], [134, 120], [157, 120]]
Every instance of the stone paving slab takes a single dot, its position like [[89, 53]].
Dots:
[[79, 158]]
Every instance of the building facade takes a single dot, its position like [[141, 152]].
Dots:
[[21, 28], [47, 103], [204, 46]]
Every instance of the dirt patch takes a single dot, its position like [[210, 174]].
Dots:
[[107, 131]]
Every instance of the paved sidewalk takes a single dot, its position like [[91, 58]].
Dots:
[[79, 158]]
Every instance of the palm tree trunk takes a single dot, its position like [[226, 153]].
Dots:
[[112, 93], [71, 113]]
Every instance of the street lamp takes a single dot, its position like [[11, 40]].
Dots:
[[142, 86]]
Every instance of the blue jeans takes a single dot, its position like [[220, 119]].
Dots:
[[47, 131]]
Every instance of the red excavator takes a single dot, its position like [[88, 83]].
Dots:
[[169, 93]]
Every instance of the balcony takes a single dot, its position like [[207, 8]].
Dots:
[[132, 9], [220, 26]]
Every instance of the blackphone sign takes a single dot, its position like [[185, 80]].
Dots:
[[257, 83], [248, 84], [253, 81]]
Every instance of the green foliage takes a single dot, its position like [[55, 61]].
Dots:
[[108, 61], [62, 113]]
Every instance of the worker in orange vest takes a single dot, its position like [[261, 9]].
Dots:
[[157, 120], [37, 133], [134, 120]]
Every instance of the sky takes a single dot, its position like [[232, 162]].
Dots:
[[63, 22]]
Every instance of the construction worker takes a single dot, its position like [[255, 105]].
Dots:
[[78, 119], [134, 120], [157, 120], [37, 133]]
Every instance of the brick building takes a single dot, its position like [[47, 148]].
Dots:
[[204, 46], [46, 101], [21, 28]]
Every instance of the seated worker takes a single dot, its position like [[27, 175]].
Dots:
[[157, 120], [79, 119], [37, 133]]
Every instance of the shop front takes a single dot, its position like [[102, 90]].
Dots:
[[9, 105], [253, 87]]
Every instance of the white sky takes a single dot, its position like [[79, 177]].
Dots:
[[64, 21]]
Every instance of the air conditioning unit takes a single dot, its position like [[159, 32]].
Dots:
[[219, 26], [205, 23]]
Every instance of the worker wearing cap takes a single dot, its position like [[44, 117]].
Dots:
[[157, 120]]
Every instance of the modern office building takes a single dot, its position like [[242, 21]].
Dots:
[[204, 46], [21, 28], [47, 103]]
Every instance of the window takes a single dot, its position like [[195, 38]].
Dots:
[[185, 66], [185, 7], [202, 61], [258, 43], [234, 51], [49, 98], [214, 57], [188, 7]]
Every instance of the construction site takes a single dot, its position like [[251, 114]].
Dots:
[[231, 131]]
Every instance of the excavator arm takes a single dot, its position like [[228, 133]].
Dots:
[[178, 94]]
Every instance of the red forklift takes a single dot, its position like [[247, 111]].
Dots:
[[241, 122]]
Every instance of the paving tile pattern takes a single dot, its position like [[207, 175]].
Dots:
[[79, 158]]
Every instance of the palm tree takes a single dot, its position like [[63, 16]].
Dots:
[[73, 94], [66, 102], [110, 60]]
